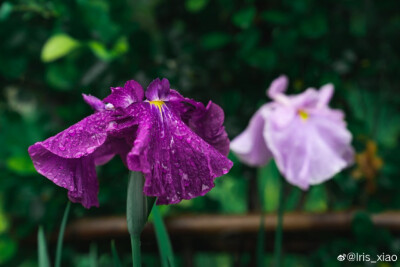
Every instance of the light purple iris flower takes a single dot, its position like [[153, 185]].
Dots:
[[308, 140], [179, 144]]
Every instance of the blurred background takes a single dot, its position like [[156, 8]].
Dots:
[[228, 51]]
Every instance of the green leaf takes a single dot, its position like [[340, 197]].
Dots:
[[8, 249], [61, 235], [317, 199], [214, 259], [358, 25], [231, 194], [58, 46], [42, 249], [62, 75], [293, 199], [116, 259], [99, 50], [121, 46], [21, 165], [164, 244], [314, 27], [5, 10], [275, 17], [362, 226], [244, 17], [263, 58], [215, 40], [195, 6]]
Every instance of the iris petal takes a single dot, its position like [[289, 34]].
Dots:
[[69, 158], [177, 163], [124, 96]]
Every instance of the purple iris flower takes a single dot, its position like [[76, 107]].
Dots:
[[308, 140], [179, 144]]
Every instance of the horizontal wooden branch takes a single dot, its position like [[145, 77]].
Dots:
[[212, 224]]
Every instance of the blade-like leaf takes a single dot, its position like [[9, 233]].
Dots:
[[93, 255], [164, 244], [42, 249], [116, 260], [61, 235]]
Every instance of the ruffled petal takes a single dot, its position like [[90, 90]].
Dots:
[[278, 86], [69, 158], [95, 103], [250, 146], [309, 151], [306, 100], [78, 176], [207, 122], [177, 163], [158, 90], [124, 96], [82, 138], [85, 181]]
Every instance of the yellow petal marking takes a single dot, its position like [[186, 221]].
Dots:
[[158, 103], [304, 115]]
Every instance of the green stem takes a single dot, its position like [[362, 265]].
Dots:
[[279, 228], [136, 253], [138, 208]]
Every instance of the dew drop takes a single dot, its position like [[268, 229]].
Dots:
[[109, 106], [90, 149], [112, 125], [204, 187], [78, 155]]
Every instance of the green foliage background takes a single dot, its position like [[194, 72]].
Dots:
[[227, 51]]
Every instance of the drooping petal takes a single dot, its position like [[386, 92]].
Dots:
[[95, 103], [309, 151], [85, 181], [207, 122], [250, 146], [177, 163], [124, 96], [278, 86], [68, 158], [158, 90]]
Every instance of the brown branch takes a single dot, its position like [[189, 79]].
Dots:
[[200, 225]]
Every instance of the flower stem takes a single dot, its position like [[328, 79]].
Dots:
[[138, 208], [136, 252], [279, 228]]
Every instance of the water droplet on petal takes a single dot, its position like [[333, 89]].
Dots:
[[112, 125], [78, 155], [204, 187], [109, 106], [90, 150]]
